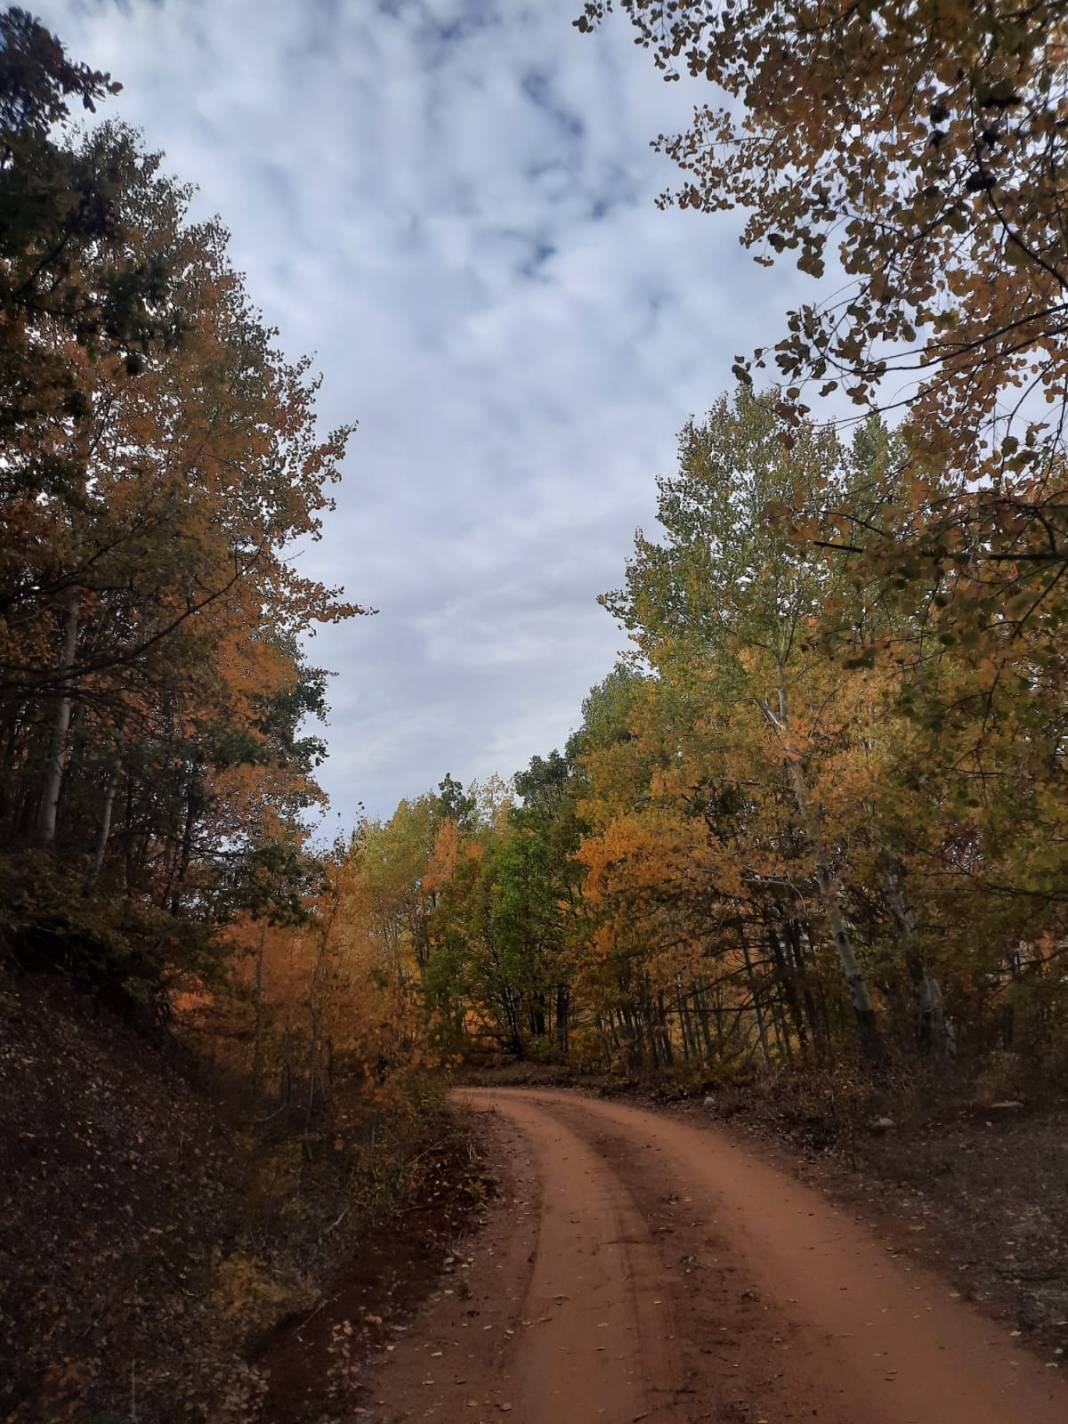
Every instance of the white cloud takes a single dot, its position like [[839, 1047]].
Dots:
[[451, 203]]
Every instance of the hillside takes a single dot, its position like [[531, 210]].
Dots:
[[121, 1202], [154, 1240]]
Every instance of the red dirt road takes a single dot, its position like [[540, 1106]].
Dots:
[[638, 1268]]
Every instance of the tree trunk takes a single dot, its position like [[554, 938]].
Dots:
[[104, 834], [663, 1024], [46, 824], [931, 1023], [183, 854], [859, 997], [536, 1016], [257, 1051], [689, 1037], [635, 1053], [563, 1006], [787, 976], [702, 1010], [831, 896], [758, 1008], [317, 991]]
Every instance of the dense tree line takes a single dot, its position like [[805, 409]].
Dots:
[[798, 822], [820, 807], [159, 459], [820, 802], [160, 467]]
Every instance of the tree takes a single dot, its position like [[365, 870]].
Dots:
[[550, 830], [159, 459], [70, 276], [922, 145], [725, 597]]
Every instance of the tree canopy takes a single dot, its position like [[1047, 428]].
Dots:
[[919, 148], [159, 462]]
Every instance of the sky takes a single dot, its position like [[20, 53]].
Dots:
[[451, 205]]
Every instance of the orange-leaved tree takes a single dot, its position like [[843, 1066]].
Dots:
[[921, 148]]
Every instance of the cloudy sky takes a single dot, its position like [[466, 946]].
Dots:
[[451, 204]]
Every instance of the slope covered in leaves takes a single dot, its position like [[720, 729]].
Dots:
[[121, 1201]]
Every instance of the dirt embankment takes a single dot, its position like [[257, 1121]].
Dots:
[[117, 1200], [151, 1237], [976, 1192], [315, 1361]]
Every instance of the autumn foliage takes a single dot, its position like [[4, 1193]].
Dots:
[[160, 461], [164, 1201], [914, 152], [763, 846], [814, 819]]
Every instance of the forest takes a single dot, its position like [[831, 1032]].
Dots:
[[806, 820], [812, 828]]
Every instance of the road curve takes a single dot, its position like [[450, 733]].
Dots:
[[639, 1268]]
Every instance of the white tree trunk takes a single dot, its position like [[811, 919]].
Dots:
[[105, 829], [46, 824], [927, 989]]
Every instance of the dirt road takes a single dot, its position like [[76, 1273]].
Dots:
[[638, 1268]]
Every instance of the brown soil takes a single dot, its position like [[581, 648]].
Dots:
[[314, 1361], [976, 1193], [641, 1267]]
